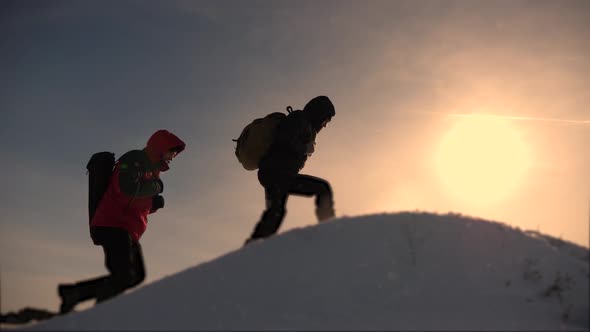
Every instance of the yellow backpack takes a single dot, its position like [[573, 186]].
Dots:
[[255, 140]]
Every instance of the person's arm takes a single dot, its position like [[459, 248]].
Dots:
[[133, 178], [297, 134]]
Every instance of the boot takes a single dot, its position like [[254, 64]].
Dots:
[[69, 298], [324, 213]]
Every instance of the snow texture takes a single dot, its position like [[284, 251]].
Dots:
[[404, 271]]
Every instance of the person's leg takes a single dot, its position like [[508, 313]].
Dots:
[[307, 185], [112, 240], [137, 267], [121, 262], [72, 294], [273, 215]]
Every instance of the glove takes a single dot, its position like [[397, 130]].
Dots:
[[157, 203]]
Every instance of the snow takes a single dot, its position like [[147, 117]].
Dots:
[[403, 271]]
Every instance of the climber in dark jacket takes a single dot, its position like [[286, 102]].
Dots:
[[278, 170]]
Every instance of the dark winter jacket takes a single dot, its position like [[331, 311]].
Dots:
[[134, 183], [294, 140]]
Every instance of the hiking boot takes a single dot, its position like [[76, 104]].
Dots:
[[69, 298], [324, 213]]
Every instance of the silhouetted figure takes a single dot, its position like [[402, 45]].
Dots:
[[278, 170], [120, 220]]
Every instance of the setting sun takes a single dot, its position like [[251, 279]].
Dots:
[[481, 159]]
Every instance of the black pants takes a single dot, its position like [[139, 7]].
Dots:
[[124, 261], [276, 194]]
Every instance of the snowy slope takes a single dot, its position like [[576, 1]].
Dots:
[[378, 272]]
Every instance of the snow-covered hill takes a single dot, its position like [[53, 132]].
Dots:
[[377, 272]]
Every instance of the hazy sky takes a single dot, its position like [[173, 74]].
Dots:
[[406, 77]]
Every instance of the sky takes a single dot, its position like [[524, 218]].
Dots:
[[422, 272], [474, 107]]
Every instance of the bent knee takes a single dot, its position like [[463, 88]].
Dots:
[[326, 189], [131, 279], [324, 192]]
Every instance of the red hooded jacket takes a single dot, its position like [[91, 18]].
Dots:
[[135, 181]]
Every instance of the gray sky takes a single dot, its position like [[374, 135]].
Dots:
[[82, 77]]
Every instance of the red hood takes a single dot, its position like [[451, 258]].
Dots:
[[161, 142]]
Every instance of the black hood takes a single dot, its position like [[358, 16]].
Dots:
[[319, 109]]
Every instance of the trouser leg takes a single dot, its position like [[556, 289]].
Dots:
[[273, 215], [124, 260], [307, 185], [72, 294], [276, 199]]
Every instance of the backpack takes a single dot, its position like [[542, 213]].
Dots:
[[256, 138], [99, 169]]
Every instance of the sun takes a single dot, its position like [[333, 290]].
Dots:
[[481, 159]]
